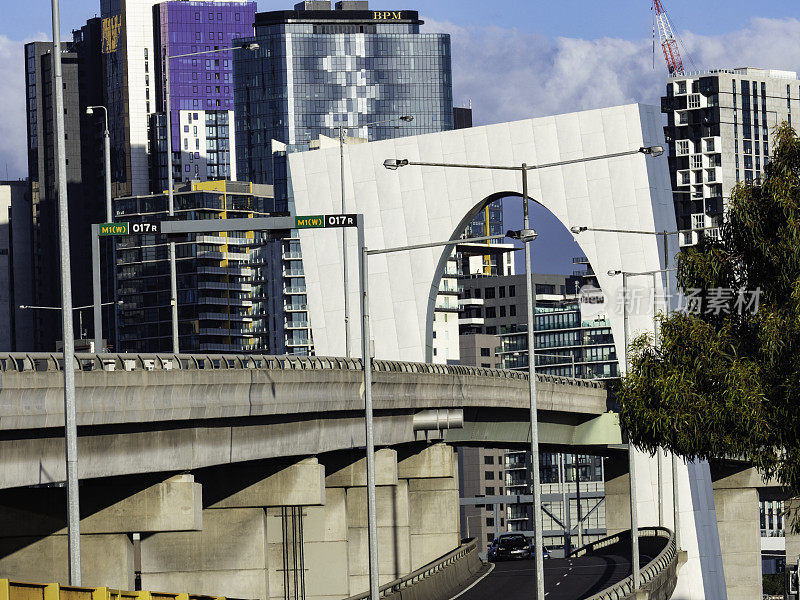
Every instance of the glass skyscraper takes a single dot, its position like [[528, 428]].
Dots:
[[317, 69]]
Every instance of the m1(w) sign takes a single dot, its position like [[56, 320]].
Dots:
[[320, 221]]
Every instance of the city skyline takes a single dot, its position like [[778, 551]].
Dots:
[[606, 53]]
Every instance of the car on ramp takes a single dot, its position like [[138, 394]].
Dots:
[[512, 546]]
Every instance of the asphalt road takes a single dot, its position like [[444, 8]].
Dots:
[[564, 578]]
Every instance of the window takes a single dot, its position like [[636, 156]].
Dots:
[[697, 161], [502, 311], [485, 352], [683, 147], [488, 292], [512, 291], [512, 310], [210, 16], [490, 522], [477, 292], [489, 491], [236, 17], [681, 87], [186, 130], [491, 313], [211, 35], [694, 101], [197, 16], [488, 460], [502, 291], [489, 475]]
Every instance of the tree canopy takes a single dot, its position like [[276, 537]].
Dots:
[[724, 380]]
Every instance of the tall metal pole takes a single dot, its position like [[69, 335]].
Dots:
[[366, 358], [345, 270], [659, 452], [96, 298], [578, 501], [562, 479], [70, 417], [537, 488], [107, 156], [173, 283], [667, 307], [631, 457]]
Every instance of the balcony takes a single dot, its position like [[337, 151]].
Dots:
[[295, 307], [471, 321], [214, 316], [297, 343], [294, 273], [287, 291], [446, 304], [225, 332], [214, 285], [471, 302], [292, 256], [296, 324]]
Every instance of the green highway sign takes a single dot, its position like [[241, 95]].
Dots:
[[309, 222], [113, 229], [319, 221]]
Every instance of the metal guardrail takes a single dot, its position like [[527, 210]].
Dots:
[[44, 361], [653, 574], [424, 572]]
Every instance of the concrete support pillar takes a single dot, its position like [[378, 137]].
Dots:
[[33, 540], [350, 475], [326, 548], [791, 507], [618, 495], [433, 502], [740, 538]]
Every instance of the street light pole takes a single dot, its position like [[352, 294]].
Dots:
[[527, 235], [70, 410], [534, 418]]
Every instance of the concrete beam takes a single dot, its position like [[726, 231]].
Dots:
[[431, 461], [354, 474], [300, 484]]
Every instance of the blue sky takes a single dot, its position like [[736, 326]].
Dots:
[[513, 60]]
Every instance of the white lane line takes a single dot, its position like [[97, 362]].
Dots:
[[476, 582]]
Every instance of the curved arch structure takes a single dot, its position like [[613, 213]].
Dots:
[[416, 205]]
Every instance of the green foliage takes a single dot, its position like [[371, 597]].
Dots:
[[728, 384], [774, 584]]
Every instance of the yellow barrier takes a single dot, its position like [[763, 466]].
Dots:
[[18, 590]]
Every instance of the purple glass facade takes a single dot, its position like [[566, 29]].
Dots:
[[202, 82]]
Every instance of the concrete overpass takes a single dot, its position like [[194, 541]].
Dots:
[[244, 476]]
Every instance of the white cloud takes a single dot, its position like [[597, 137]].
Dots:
[[511, 74]]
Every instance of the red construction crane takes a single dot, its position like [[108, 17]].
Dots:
[[668, 42]]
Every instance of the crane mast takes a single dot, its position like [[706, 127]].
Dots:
[[668, 42]]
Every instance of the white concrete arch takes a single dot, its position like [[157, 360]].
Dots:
[[415, 205]]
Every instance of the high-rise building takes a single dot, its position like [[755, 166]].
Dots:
[[201, 88], [719, 131], [214, 273], [82, 78], [16, 267], [317, 69], [134, 36]]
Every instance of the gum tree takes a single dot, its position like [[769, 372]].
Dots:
[[724, 379]]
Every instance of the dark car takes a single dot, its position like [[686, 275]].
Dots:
[[509, 546]]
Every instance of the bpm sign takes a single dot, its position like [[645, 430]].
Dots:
[[321, 221], [387, 15]]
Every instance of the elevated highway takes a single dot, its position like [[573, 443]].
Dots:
[[166, 413]]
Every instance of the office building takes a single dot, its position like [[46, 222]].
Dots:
[[16, 267], [201, 88], [719, 130], [134, 36], [84, 171], [214, 275], [317, 68]]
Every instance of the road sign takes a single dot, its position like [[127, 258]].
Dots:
[[146, 227], [319, 221], [112, 229], [125, 228]]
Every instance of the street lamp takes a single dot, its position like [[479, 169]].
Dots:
[[631, 464], [366, 360], [527, 235], [345, 270], [74, 308], [173, 277], [70, 417], [107, 155]]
